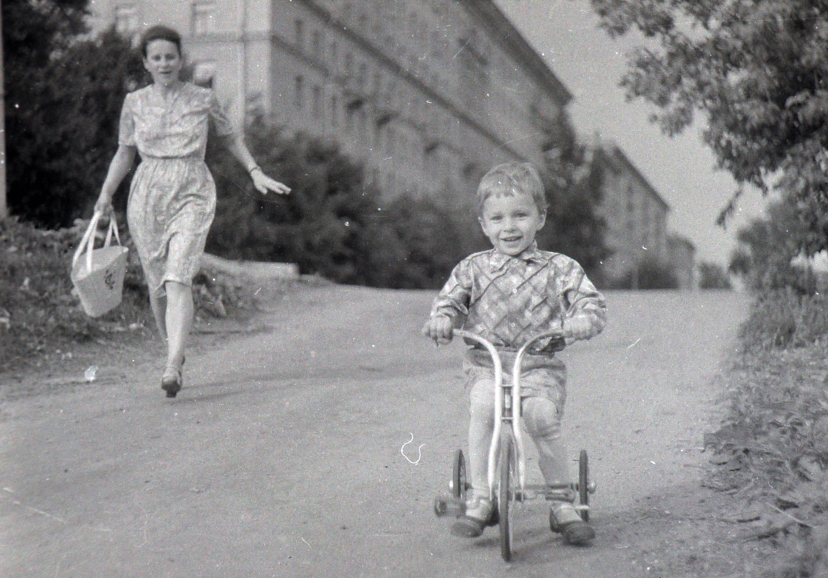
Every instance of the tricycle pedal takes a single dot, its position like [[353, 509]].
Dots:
[[449, 506]]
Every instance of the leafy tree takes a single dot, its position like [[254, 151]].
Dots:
[[34, 31], [62, 124], [418, 243], [713, 276], [325, 225], [572, 178], [766, 247], [756, 70]]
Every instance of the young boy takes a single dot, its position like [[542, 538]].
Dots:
[[508, 295]]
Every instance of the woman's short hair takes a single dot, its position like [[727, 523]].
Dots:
[[511, 178], [160, 32]]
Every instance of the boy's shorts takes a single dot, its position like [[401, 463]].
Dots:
[[541, 376]]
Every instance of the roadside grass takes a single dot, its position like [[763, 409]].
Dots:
[[771, 451], [41, 316]]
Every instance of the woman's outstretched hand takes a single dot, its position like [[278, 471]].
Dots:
[[264, 183]]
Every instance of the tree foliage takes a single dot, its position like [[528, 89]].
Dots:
[[62, 124], [713, 276], [572, 178], [323, 225], [757, 70], [766, 247]]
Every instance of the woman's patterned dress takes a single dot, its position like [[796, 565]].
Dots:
[[172, 199]]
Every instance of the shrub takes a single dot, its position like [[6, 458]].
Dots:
[[785, 318], [417, 244], [325, 225], [36, 294], [772, 446], [713, 276], [650, 275]]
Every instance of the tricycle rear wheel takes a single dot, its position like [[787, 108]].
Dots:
[[458, 476]]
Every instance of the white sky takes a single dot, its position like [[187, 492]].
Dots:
[[681, 169]]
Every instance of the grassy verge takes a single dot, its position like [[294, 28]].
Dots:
[[771, 451], [41, 320]]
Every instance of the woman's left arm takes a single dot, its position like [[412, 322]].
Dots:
[[261, 181]]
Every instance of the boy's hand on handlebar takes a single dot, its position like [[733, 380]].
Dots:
[[439, 329], [576, 328]]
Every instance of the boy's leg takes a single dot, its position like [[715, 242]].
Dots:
[[542, 420], [481, 424]]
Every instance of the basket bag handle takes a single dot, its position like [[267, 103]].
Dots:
[[88, 240]]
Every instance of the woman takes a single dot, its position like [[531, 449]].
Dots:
[[172, 198]]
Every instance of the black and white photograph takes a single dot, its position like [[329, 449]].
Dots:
[[414, 288]]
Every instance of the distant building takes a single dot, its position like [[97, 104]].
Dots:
[[682, 257], [635, 214], [428, 94]]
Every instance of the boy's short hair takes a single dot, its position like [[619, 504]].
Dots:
[[160, 32], [511, 178]]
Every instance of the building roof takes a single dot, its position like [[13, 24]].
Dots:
[[616, 155]]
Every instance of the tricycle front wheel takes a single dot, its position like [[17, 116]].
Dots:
[[583, 483], [506, 495]]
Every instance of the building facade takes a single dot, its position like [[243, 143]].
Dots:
[[635, 214], [427, 94], [683, 260]]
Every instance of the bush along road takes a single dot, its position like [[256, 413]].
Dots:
[[317, 446]]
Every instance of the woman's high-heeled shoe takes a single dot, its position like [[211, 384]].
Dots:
[[172, 381]]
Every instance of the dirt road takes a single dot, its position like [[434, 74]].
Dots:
[[316, 450]]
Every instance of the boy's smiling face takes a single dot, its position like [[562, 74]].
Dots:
[[511, 222]]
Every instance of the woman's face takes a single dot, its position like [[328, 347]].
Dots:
[[163, 61]]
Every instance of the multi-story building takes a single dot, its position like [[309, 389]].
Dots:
[[428, 94], [635, 214], [683, 260]]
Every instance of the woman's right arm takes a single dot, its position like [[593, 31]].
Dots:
[[119, 167]]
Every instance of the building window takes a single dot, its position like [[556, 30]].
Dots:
[[349, 64], [334, 57], [316, 43], [126, 19], [362, 125], [298, 91], [334, 111], [203, 73], [363, 72], [349, 121], [299, 34], [317, 102], [204, 20]]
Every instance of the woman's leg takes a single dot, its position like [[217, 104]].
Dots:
[[158, 304], [178, 321]]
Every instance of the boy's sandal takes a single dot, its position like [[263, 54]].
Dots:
[[468, 527], [575, 533]]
